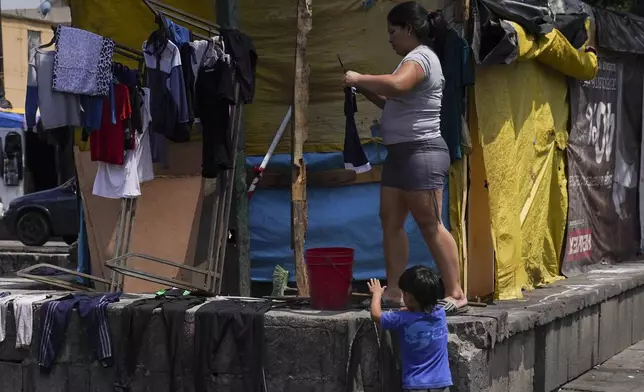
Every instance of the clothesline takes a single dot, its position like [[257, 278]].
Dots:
[[163, 10]]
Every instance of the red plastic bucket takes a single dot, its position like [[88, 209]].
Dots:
[[330, 276]]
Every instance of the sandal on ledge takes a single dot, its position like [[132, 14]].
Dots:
[[451, 309]]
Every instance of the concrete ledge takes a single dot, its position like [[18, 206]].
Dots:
[[13, 261], [536, 344]]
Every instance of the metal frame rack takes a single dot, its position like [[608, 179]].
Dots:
[[221, 210], [223, 197]]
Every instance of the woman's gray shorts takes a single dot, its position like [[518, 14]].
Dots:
[[418, 165]]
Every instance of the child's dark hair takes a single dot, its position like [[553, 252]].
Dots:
[[423, 283]]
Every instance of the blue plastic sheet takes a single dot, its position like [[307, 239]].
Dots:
[[338, 216], [376, 153], [11, 120]]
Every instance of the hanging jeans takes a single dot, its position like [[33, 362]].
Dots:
[[214, 98], [244, 323], [135, 320]]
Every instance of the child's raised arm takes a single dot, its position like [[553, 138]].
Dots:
[[376, 299]]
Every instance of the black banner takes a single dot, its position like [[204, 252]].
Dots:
[[603, 166]]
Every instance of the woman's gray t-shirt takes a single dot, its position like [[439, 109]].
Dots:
[[416, 115]]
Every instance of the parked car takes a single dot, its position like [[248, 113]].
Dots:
[[39, 216]]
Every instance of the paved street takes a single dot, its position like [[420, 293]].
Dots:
[[622, 373]]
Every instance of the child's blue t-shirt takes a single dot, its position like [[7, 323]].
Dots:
[[423, 347]]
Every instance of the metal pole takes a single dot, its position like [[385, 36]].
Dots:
[[237, 261]]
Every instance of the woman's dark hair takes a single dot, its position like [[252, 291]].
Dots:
[[423, 283], [429, 27]]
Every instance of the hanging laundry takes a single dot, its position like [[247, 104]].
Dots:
[[242, 50], [62, 139], [84, 265], [244, 323], [144, 148], [91, 112], [135, 320], [132, 79], [23, 314], [159, 147], [168, 104], [56, 109], [83, 62], [354, 156], [108, 143], [206, 53], [39, 158], [214, 97], [178, 34], [4, 304], [92, 310], [458, 74], [123, 181], [189, 78], [136, 102], [23, 311]]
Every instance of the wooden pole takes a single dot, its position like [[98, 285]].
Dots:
[[299, 133]]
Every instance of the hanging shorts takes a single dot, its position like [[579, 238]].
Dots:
[[417, 165]]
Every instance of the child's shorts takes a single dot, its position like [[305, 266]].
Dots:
[[427, 390]]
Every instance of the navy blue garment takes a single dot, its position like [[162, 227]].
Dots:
[[84, 266], [459, 74], [92, 112], [4, 294], [423, 347], [354, 157], [92, 310]]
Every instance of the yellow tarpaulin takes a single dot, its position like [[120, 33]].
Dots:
[[523, 133], [340, 27]]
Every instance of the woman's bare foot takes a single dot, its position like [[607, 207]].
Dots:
[[458, 302], [393, 296]]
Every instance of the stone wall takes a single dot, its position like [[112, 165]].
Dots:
[[536, 344]]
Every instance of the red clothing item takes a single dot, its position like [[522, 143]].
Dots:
[[108, 143]]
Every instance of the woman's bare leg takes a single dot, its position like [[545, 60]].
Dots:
[[393, 212], [426, 207]]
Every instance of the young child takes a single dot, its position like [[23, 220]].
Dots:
[[422, 328]]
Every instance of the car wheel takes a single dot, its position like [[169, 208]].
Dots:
[[70, 239], [33, 229]]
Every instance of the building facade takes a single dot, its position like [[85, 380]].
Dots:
[[22, 31]]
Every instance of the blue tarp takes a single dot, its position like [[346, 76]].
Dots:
[[338, 216], [11, 120]]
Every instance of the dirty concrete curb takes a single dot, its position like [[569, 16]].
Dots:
[[537, 344]]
